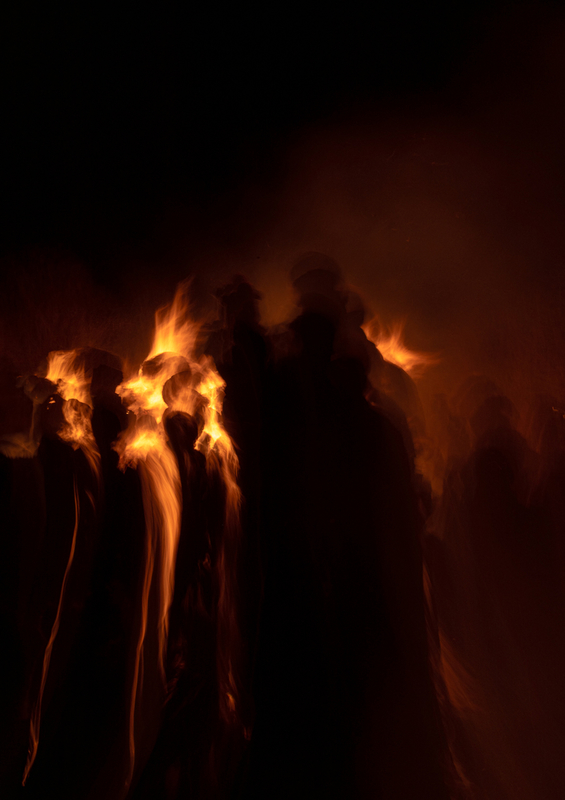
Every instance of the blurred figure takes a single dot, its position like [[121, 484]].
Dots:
[[498, 604]]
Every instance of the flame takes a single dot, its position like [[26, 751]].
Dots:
[[174, 375], [175, 331], [391, 345], [161, 490], [71, 380], [74, 387]]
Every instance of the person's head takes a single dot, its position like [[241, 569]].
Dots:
[[316, 280], [240, 301]]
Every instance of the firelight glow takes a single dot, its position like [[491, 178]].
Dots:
[[390, 343], [175, 377]]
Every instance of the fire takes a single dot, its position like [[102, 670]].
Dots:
[[71, 380], [73, 386], [175, 377], [65, 371], [390, 343], [160, 481]]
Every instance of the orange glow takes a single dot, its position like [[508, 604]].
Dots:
[[459, 684], [19, 445], [174, 375], [391, 345]]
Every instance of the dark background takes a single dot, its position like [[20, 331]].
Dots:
[[109, 119], [141, 148]]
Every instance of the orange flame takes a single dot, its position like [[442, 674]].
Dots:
[[71, 381], [74, 388], [73, 385], [391, 345], [145, 444]]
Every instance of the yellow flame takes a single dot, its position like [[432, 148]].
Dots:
[[74, 387], [175, 331], [390, 343], [145, 443], [70, 379]]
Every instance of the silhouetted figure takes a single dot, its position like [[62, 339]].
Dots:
[[68, 548], [499, 603], [22, 514], [345, 703], [241, 361]]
